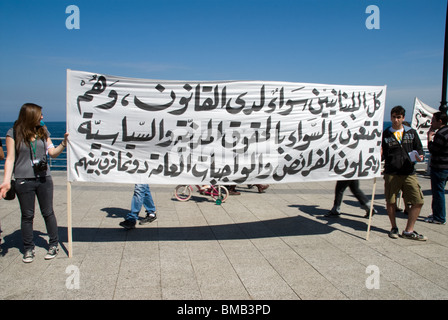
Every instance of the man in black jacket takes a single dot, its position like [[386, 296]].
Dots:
[[438, 147], [401, 147]]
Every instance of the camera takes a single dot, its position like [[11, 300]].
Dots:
[[40, 166]]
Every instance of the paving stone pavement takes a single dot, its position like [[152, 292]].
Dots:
[[275, 245]]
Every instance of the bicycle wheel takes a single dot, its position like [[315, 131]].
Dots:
[[219, 194], [183, 192]]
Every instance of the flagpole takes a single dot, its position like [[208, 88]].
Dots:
[[443, 104]]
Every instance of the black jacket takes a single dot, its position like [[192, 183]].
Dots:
[[439, 149], [396, 154]]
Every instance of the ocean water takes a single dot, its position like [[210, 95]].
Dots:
[[57, 129], [387, 124]]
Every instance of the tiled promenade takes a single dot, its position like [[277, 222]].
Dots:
[[275, 245]]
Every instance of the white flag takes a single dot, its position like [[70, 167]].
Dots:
[[421, 120]]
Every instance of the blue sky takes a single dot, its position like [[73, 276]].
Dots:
[[319, 41]]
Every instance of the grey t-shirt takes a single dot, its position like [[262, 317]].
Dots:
[[23, 167]]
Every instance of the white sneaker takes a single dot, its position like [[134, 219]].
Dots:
[[52, 253], [28, 256]]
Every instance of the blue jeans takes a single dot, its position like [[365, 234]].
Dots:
[[142, 197], [438, 183]]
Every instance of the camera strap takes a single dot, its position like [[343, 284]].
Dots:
[[33, 150], [33, 146]]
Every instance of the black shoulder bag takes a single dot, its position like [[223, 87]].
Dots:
[[11, 194]]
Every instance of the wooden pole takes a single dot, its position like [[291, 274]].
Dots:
[[371, 208], [69, 219], [69, 184]]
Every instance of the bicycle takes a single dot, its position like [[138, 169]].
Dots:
[[218, 193]]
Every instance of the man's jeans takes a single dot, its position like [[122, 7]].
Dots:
[[438, 183], [27, 190], [142, 196]]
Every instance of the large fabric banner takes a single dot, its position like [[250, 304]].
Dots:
[[421, 120], [220, 132]]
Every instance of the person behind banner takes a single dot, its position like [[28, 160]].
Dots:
[[260, 187], [142, 197], [399, 143], [27, 145], [438, 147], [341, 185]]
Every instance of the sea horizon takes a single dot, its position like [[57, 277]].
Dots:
[[56, 128]]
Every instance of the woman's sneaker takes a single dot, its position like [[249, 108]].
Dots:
[[28, 257], [52, 253]]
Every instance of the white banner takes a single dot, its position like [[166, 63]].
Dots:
[[220, 132], [421, 120]]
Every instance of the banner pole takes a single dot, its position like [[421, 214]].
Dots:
[[69, 219], [69, 184], [371, 208]]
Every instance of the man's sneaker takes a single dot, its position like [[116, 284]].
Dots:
[[393, 233], [431, 219], [28, 257], [150, 217], [374, 211], [332, 213], [52, 253], [128, 224], [413, 236]]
